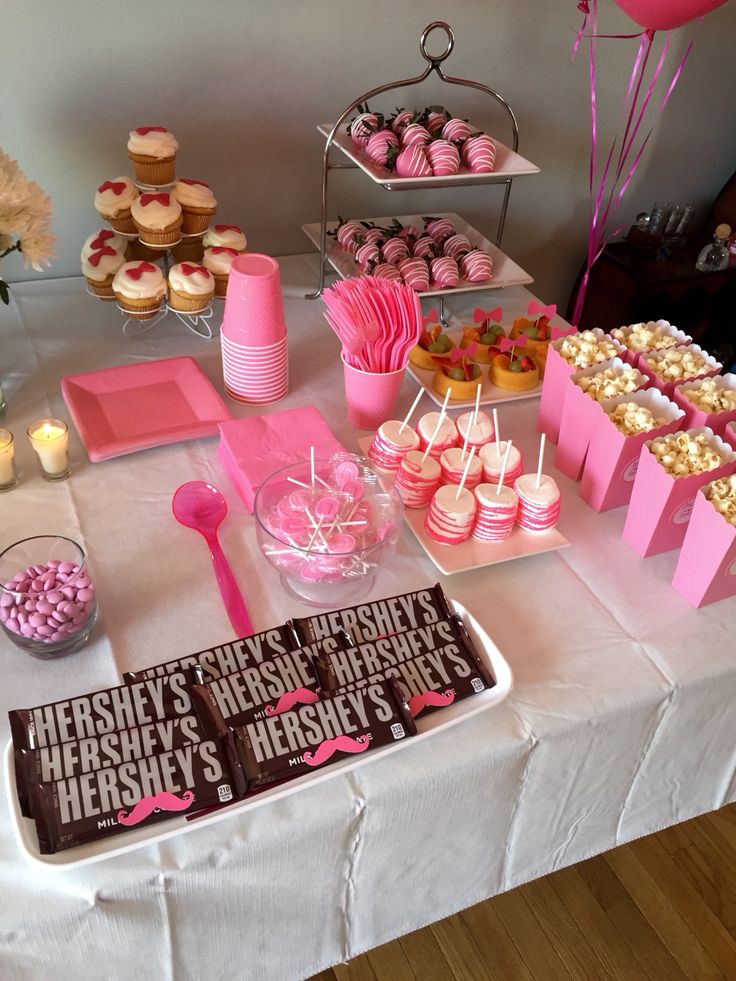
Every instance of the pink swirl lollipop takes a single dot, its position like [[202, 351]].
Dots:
[[456, 130], [413, 162], [414, 134], [456, 246], [479, 154], [445, 272], [341, 543], [425, 248], [443, 158], [299, 500], [327, 507], [353, 490], [377, 146], [395, 250], [346, 471], [476, 266], [415, 273], [385, 270], [294, 526]]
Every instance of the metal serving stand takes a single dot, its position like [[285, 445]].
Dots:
[[434, 64]]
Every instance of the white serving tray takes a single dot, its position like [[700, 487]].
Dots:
[[25, 831], [505, 271], [507, 164], [470, 555]]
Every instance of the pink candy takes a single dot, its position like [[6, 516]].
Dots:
[[47, 603]]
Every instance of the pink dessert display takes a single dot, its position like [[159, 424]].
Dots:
[[539, 502], [439, 229], [438, 439], [414, 134], [393, 440], [444, 158], [48, 603], [412, 162], [456, 246], [456, 130], [417, 478], [476, 266], [450, 516], [444, 272], [496, 512], [394, 250], [348, 234], [491, 456], [367, 254], [362, 127], [415, 273], [425, 247], [479, 154], [452, 466], [378, 144], [384, 270], [480, 425]]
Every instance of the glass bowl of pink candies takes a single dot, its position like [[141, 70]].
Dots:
[[47, 599], [328, 528]]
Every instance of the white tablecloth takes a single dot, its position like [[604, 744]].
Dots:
[[621, 720]]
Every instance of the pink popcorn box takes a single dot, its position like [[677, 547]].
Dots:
[[706, 568], [632, 357], [613, 459], [729, 434], [580, 417], [667, 387], [717, 421], [661, 505], [556, 374]]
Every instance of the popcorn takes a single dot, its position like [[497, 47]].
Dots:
[[722, 495], [677, 363], [650, 336], [608, 383], [682, 454], [630, 418], [710, 397], [584, 349]]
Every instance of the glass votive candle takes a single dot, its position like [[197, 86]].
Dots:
[[8, 476], [50, 439], [47, 599]]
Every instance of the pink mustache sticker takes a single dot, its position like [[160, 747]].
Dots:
[[163, 801], [328, 748], [299, 696], [435, 699]]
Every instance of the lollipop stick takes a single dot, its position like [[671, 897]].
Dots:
[[465, 473], [410, 413], [477, 406], [498, 436], [465, 441], [437, 427], [503, 466], [541, 459]]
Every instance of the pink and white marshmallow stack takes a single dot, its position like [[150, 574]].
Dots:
[[497, 506], [254, 341], [393, 440], [539, 498], [451, 514], [492, 457]]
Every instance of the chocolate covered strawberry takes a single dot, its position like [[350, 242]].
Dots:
[[394, 250], [434, 118], [385, 271], [412, 162], [347, 233], [456, 246], [366, 254], [415, 273], [425, 247], [479, 153], [401, 119], [444, 158], [439, 229], [375, 235], [378, 144], [362, 126], [456, 130], [445, 272], [476, 266], [414, 134]]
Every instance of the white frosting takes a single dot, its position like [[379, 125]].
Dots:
[[428, 423], [107, 265], [486, 496], [149, 211], [229, 236], [219, 262], [492, 454], [450, 503], [481, 432], [108, 203], [187, 277], [419, 469], [150, 284], [546, 494], [196, 195], [390, 432], [112, 239], [153, 143], [452, 460]]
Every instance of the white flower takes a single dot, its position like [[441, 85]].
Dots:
[[25, 214], [36, 244]]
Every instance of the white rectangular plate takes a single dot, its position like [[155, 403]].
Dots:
[[472, 554], [505, 271], [508, 164], [128, 841], [489, 394]]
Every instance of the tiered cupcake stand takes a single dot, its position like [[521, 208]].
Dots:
[[509, 164]]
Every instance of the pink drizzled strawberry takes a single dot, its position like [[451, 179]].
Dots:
[[456, 130], [412, 162], [443, 158], [414, 134], [456, 246], [445, 272], [476, 266], [439, 229], [377, 146], [479, 154], [415, 274]]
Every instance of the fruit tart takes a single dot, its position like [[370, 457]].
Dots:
[[458, 374], [431, 344], [538, 337], [516, 374], [485, 336]]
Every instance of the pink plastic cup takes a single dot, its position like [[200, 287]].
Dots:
[[370, 396], [254, 309]]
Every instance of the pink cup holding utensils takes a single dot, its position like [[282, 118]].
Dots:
[[371, 396]]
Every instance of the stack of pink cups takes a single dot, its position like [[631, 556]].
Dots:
[[255, 362]]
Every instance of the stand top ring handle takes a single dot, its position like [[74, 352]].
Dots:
[[436, 60]]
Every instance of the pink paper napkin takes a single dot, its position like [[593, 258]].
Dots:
[[252, 449]]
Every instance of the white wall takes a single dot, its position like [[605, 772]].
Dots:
[[242, 84]]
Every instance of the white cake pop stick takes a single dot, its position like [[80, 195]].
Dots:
[[542, 441], [477, 405], [498, 435], [503, 466], [410, 413], [465, 442], [299, 483], [437, 428], [465, 473]]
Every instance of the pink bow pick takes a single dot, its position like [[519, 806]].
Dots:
[[458, 353], [480, 315], [431, 318], [536, 309], [557, 332], [509, 343]]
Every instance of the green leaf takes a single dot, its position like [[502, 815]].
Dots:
[[4, 292]]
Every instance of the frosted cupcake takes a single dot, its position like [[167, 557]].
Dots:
[[191, 287], [105, 236], [197, 202], [158, 218], [190, 249], [226, 236], [113, 202], [218, 260], [139, 288], [152, 150], [99, 269]]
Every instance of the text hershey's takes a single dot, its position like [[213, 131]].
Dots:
[[386, 616]]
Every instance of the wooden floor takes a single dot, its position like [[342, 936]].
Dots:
[[660, 909]]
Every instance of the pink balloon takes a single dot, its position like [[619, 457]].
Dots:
[[665, 15]]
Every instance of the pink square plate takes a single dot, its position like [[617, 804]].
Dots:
[[137, 406]]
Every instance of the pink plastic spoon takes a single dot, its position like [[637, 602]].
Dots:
[[201, 506]]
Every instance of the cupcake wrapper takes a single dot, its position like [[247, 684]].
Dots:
[[196, 220], [141, 308], [102, 288], [160, 236], [121, 223], [149, 170], [220, 284], [192, 251], [188, 301]]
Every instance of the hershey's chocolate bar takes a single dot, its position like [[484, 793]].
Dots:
[[77, 810], [265, 689], [434, 666], [79, 756], [225, 659], [308, 737], [98, 712], [367, 621]]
